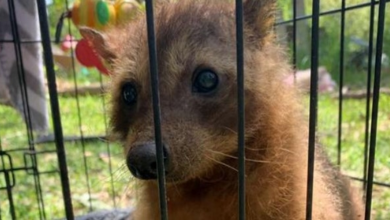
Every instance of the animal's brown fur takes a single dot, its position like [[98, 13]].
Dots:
[[201, 132]]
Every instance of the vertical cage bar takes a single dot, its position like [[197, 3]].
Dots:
[[241, 108], [9, 183], [156, 107], [341, 72], [375, 105], [368, 96], [9, 195], [26, 110], [313, 106], [20, 69], [55, 109], [294, 59]]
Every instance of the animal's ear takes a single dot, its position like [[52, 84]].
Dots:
[[259, 15], [98, 42]]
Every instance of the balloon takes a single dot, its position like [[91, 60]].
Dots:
[[87, 56], [96, 14]]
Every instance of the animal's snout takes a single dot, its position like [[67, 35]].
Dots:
[[142, 161]]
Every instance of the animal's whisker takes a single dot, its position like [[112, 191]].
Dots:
[[289, 151], [224, 154], [222, 163], [246, 159], [229, 129], [253, 149], [258, 161]]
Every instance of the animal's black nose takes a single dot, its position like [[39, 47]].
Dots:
[[142, 162]]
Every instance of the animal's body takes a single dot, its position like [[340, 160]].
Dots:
[[196, 47]]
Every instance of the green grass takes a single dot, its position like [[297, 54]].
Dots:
[[91, 157], [352, 143]]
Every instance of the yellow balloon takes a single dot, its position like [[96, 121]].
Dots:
[[126, 10]]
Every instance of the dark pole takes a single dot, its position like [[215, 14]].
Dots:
[[55, 109]]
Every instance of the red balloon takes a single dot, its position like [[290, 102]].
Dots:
[[88, 57]]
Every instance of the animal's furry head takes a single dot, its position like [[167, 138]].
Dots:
[[192, 36]]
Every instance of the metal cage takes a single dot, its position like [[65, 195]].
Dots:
[[30, 166]]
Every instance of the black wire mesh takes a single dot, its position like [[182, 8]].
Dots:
[[156, 108], [22, 168], [375, 103], [313, 106], [341, 82], [369, 77], [31, 154], [241, 108], [49, 63]]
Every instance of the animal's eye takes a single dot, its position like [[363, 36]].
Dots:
[[129, 93], [205, 81]]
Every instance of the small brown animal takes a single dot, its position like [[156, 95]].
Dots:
[[196, 49]]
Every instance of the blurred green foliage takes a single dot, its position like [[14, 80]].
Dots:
[[357, 25]]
